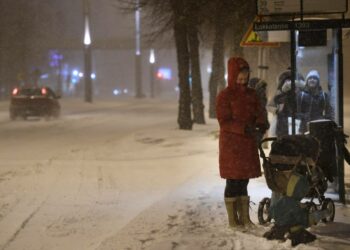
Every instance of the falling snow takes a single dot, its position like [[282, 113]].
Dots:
[[121, 175]]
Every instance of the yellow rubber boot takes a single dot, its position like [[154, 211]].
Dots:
[[232, 211], [243, 211]]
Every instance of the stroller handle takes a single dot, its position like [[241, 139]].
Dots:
[[262, 153]]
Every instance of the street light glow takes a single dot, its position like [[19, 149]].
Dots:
[[87, 37], [209, 70], [137, 23], [152, 58]]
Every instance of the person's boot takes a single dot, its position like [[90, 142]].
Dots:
[[231, 204], [276, 233], [243, 211], [301, 236]]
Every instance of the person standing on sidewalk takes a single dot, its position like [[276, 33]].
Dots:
[[260, 87], [284, 100], [313, 103], [240, 116]]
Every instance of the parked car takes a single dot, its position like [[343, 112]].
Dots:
[[34, 101]]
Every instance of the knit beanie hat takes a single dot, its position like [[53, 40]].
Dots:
[[286, 75], [313, 73]]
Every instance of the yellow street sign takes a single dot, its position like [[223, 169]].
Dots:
[[252, 39]]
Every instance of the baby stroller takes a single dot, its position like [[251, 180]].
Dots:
[[296, 154]]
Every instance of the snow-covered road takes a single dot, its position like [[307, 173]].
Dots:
[[69, 183], [118, 175]]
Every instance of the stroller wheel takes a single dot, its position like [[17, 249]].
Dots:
[[328, 204], [311, 206], [263, 211]]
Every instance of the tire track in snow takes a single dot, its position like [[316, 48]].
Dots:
[[23, 222], [22, 226]]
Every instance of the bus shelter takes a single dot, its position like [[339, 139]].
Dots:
[[314, 29]]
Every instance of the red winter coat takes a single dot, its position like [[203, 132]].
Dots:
[[236, 107]]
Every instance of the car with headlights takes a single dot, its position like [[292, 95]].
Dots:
[[34, 101]]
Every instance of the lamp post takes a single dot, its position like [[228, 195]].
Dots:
[[138, 69], [87, 53], [152, 60]]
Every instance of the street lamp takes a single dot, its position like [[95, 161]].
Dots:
[[87, 53], [138, 69], [152, 60]]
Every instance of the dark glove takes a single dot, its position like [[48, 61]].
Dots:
[[250, 130], [262, 128]]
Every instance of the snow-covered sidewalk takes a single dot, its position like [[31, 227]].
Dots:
[[194, 217]]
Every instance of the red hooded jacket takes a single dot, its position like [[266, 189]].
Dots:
[[237, 107]]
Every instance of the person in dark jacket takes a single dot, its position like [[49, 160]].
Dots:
[[284, 100], [260, 87], [313, 103], [239, 114]]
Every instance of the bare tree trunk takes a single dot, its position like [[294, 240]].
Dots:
[[217, 77], [183, 61], [235, 39], [184, 118], [235, 48], [197, 92]]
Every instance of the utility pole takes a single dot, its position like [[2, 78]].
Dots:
[[87, 52]]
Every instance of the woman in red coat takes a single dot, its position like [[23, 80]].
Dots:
[[240, 116]]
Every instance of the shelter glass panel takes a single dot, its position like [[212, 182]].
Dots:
[[317, 61]]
